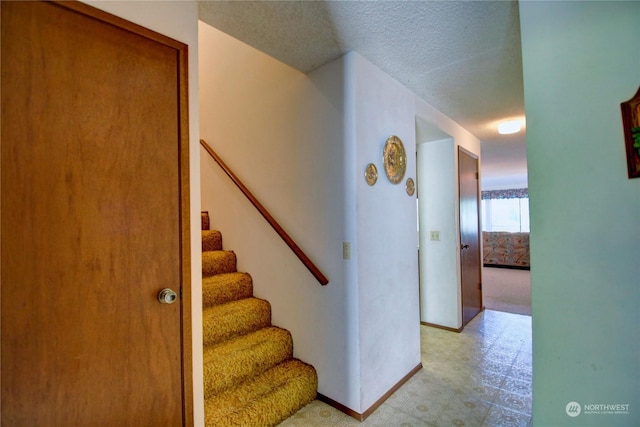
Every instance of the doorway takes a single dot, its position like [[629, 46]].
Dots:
[[438, 263], [441, 215]]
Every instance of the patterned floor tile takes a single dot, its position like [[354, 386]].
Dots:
[[315, 414], [467, 408], [521, 373], [481, 391], [398, 418], [495, 367], [515, 402], [517, 386], [480, 377], [381, 417], [503, 417], [433, 392], [424, 410], [502, 356]]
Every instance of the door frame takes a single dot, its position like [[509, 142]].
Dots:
[[184, 186]]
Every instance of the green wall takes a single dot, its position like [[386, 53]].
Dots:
[[580, 61]]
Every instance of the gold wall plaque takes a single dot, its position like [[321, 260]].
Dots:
[[410, 186], [394, 159], [371, 174]]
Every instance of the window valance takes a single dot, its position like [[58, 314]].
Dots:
[[514, 193]]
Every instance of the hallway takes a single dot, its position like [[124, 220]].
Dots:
[[480, 377]]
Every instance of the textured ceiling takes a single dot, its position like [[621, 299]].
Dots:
[[462, 57]]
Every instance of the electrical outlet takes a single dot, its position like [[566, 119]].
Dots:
[[435, 235], [346, 250]]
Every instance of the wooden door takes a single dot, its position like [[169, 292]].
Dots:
[[94, 166], [469, 235]]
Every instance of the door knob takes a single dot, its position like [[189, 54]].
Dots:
[[463, 246], [167, 296]]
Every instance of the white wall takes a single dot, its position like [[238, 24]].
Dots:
[[504, 163], [440, 292], [178, 20], [385, 230], [505, 182], [281, 132], [581, 60], [301, 144]]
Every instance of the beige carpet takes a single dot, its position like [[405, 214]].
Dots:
[[508, 290]]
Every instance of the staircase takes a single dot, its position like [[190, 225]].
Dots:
[[250, 375]]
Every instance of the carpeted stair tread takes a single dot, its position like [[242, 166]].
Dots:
[[218, 262], [204, 220], [211, 240], [265, 400], [235, 361], [226, 321], [250, 376], [226, 287]]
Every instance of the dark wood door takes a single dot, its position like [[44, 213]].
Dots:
[[469, 235], [92, 165]]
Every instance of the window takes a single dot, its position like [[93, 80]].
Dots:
[[505, 210]]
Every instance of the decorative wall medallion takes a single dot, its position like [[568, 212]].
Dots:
[[371, 174], [410, 186], [395, 159]]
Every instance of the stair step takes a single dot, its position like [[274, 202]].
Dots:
[[265, 400], [211, 240], [224, 288], [218, 262], [234, 361], [226, 321], [250, 376], [204, 220]]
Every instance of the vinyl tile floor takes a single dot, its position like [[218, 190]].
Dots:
[[479, 377]]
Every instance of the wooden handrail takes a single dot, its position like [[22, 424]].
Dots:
[[263, 211]]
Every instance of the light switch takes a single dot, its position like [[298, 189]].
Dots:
[[435, 235], [346, 250]]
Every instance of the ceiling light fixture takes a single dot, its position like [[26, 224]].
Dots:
[[509, 127]]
